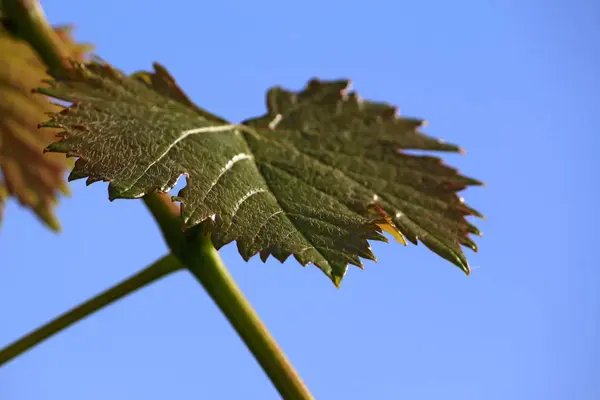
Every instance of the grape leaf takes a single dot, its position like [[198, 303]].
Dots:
[[317, 176], [28, 175]]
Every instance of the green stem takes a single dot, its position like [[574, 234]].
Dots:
[[204, 262], [30, 22], [154, 272], [166, 214]]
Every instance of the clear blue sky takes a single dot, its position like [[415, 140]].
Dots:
[[515, 82]]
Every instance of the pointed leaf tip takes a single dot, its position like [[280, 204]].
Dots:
[[337, 281], [464, 266], [48, 218], [393, 230]]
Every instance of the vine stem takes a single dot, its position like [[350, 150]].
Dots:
[[161, 268], [30, 23], [203, 261], [195, 251]]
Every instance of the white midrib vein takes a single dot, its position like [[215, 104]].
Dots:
[[182, 136]]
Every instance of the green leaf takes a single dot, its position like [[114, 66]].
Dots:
[[317, 176]]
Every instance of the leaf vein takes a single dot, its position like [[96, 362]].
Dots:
[[182, 136]]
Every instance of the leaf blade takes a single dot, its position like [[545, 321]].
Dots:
[[303, 179]]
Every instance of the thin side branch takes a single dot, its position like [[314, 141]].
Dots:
[[154, 272]]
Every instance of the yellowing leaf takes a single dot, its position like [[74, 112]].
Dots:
[[31, 177], [303, 179]]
